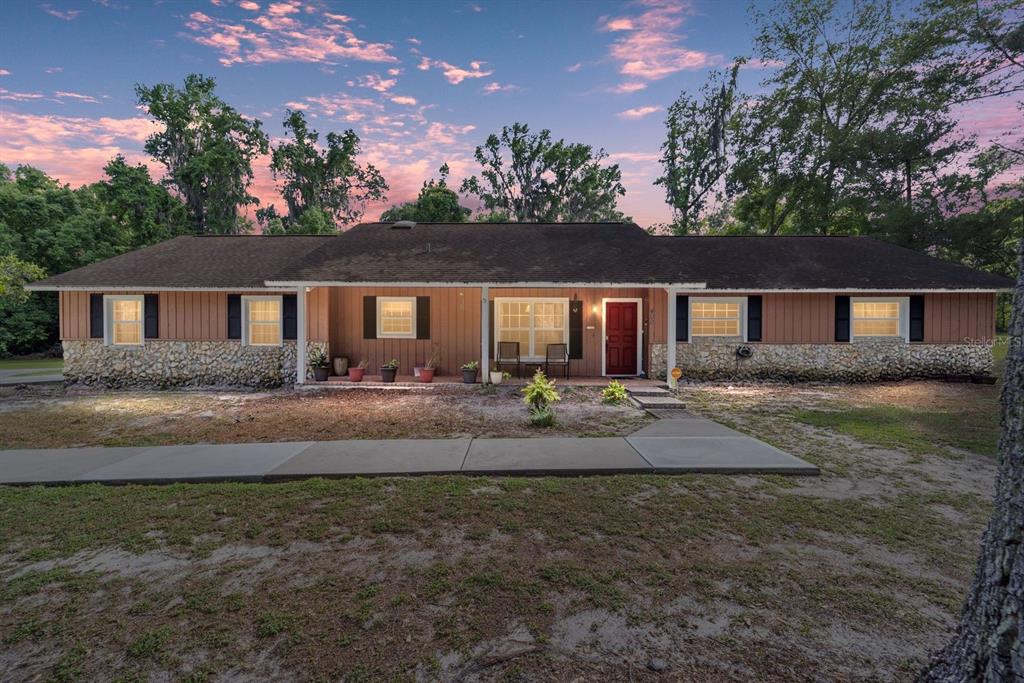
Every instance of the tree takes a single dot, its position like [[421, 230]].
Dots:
[[332, 180], [695, 153], [207, 148], [313, 221], [435, 203], [989, 639], [533, 178], [145, 211]]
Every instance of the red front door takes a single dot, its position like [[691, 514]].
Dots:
[[622, 330]]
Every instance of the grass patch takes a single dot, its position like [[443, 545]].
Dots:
[[150, 644], [915, 431], [32, 364]]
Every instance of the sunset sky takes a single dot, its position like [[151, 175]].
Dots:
[[422, 83]]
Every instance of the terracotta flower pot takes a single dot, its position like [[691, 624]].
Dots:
[[356, 374], [427, 375]]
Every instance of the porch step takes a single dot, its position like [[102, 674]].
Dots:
[[647, 391], [659, 402]]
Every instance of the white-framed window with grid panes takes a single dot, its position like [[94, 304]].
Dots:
[[262, 318], [396, 317], [879, 317], [124, 319], [718, 316], [533, 322]]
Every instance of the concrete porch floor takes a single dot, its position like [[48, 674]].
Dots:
[[374, 381]]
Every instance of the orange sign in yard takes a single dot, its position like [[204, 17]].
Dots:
[[676, 373]]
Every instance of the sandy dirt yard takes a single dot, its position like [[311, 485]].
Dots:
[[37, 417], [855, 575]]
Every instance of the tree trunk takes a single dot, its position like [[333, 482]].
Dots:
[[989, 641]]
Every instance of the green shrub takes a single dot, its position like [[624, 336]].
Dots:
[[614, 393], [540, 393], [542, 417]]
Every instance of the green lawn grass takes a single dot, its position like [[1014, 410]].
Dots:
[[32, 364], [915, 431]]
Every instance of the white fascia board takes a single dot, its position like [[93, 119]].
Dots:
[[495, 285], [141, 288], [847, 290]]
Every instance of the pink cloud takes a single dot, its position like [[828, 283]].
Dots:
[[19, 96], [492, 88], [573, 68], [249, 5], [627, 87], [53, 69], [650, 47], [758, 63], [637, 112], [454, 74], [445, 133], [66, 15], [284, 38], [375, 82], [61, 94], [4, 72], [403, 99]]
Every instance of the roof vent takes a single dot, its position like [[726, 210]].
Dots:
[[403, 225]]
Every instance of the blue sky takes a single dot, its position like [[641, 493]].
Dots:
[[421, 82]]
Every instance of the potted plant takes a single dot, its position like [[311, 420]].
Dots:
[[427, 371], [497, 376], [320, 363], [389, 370], [469, 371], [356, 372]]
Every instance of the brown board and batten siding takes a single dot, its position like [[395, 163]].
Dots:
[[793, 318], [454, 327], [189, 315]]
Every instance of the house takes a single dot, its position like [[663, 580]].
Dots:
[[247, 309]]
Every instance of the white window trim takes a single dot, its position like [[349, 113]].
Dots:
[[108, 317], [381, 334], [639, 335], [903, 301], [246, 300], [741, 300], [530, 300]]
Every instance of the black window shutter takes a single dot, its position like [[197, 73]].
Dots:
[[575, 329], [96, 316], [842, 318], [152, 317], [290, 316], [682, 318], [916, 318], [234, 316], [369, 317], [754, 318], [423, 317]]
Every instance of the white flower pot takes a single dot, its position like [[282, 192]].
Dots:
[[496, 378]]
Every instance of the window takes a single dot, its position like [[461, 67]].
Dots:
[[718, 317], [396, 317], [262, 316], [879, 317], [534, 323], [124, 315]]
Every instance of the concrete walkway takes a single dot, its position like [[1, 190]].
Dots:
[[671, 446]]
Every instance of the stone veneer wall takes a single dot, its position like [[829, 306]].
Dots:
[[163, 363], [859, 361]]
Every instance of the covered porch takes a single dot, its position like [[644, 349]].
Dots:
[[606, 331]]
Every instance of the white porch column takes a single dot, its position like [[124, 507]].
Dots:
[[670, 350], [300, 336], [485, 335]]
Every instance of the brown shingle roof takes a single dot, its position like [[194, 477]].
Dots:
[[528, 253]]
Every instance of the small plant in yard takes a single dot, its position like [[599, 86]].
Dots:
[[538, 395], [320, 363], [471, 365], [391, 364], [435, 357], [469, 371], [614, 393]]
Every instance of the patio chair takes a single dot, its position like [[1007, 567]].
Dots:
[[557, 355], [508, 354]]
